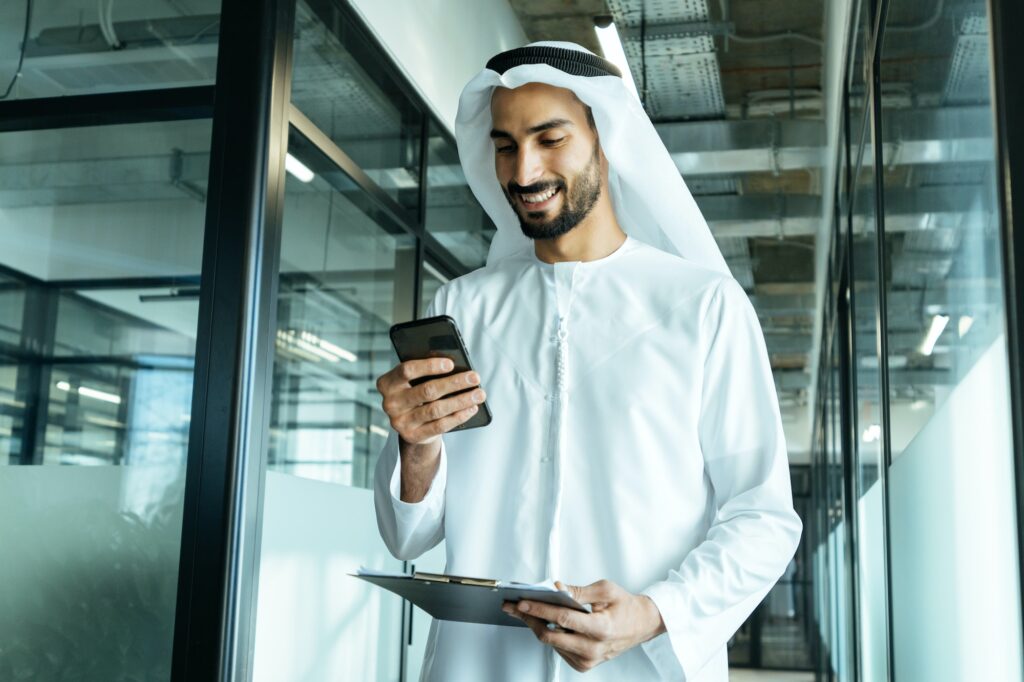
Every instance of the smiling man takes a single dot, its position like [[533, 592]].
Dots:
[[636, 452]]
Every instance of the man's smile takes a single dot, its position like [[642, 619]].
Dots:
[[538, 201]]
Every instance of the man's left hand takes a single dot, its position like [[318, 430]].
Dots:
[[619, 621]]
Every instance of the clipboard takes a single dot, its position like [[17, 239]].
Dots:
[[467, 600]]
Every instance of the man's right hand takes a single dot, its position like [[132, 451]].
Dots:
[[421, 413]]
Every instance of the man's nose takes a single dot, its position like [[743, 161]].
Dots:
[[528, 167]]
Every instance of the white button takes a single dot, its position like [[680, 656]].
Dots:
[[545, 459]]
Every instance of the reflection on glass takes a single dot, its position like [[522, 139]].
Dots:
[[454, 217], [954, 579], [944, 287], [82, 47], [340, 83], [346, 277], [101, 233], [431, 280]]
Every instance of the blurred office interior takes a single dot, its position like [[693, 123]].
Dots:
[[212, 212]]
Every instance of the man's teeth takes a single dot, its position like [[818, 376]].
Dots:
[[537, 198]]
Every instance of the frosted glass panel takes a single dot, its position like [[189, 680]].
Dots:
[[314, 622], [955, 591], [101, 237]]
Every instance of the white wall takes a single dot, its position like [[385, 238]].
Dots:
[[441, 44]]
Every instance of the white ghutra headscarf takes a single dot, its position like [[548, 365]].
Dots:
[[652, 202]]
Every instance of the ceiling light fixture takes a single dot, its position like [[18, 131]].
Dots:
[[939, 323], [91, 393], [611, 46], [298, 169]]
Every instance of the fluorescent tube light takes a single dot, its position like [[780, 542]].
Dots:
[[379, 431], [91, 393], [939, 323], [99, 395], [611, 46], [964, 325], [329, 347], [298, 169]]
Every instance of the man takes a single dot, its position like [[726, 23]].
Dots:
[[636, 452]]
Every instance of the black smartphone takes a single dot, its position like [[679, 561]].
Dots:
[[438, 337]]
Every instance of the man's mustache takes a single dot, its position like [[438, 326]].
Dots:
[[535, 188]]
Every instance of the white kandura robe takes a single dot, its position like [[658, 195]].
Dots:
[[636, 437]]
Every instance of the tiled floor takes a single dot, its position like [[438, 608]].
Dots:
[[741, 675]]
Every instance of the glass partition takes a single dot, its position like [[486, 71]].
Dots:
[[81, 47], [346, 274], [955, 592], [101, 236]]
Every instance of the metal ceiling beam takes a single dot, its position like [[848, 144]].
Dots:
[[916, 136]]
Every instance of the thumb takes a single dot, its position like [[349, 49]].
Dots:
[[586, 594]]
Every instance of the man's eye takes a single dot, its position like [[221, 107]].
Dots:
[[504, 150], [551, 143]]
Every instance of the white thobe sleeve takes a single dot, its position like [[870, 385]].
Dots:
[[755, 530], [408, 529]]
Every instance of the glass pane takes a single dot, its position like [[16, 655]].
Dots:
[[454, 217], [101, 249], [954, 584], [346, 277], [82, 47], [867, 422], [341, 84]]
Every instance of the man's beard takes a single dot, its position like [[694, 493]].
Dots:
[[576, 206]]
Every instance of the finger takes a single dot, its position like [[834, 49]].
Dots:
[[439, 409], [410, 370], [568, 619], [574, 643], [440, 426], [579, 647], [439, 388], [538, 626]]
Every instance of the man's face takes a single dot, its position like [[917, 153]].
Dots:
[[547, 157]]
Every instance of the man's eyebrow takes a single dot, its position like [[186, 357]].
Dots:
[[548, 125], [539, 128]]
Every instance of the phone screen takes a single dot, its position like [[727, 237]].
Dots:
[[437, 337]]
